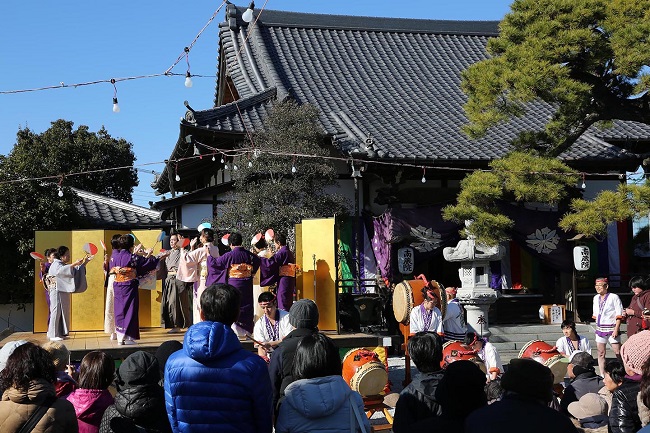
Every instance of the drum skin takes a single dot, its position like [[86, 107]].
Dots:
[[408, 294], [364, 372], [456, 351], [547, 355]]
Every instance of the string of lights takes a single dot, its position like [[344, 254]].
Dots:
[[168, 72], [231, 154]]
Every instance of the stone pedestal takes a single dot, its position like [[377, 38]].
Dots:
[[475, 293]]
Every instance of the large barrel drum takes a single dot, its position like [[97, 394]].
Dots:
[[548, 355], [364, 372], [408, 294], [456, 351]]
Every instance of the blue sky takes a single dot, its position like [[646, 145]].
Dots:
[[45, 43]]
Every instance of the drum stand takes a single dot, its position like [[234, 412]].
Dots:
[[406, 329], [374, 403]]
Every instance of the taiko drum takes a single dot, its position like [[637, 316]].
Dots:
[[548, 355], [453, 351], [364, 372], [408, 294]]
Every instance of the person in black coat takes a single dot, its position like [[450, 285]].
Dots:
[[140, 401], [418, 401], [303, 316], [584, 379], [528, 387]]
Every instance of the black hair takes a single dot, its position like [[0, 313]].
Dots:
[[316, 356], [60, 252], [235, 239], [126, 242], [471, 338], [49, 251], [261, 244], [570, 324], [96, 371], [425, 349], [265, 297], [616, 370], [26, 363], [639, 282], [115, 241], [209, 234], [461, 389], [281, 238], [220, 303]]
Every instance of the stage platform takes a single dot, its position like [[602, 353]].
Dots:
[[81, 342]]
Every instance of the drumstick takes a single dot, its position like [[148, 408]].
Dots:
[[247, 334]]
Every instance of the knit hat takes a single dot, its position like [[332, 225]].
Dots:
[[529, 378], [7, 350], [304, 314], [60, 353], [139, 368], [588, 406], [636, 351], [164, 351]]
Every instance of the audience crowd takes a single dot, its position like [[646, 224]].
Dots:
[[211, 383]]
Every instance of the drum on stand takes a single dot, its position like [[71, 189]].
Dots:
[[456, 351], [364, 372], [547, 355], [408, 294]]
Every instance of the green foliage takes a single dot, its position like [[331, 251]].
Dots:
[[520, 176], [586, 58], [268, 194], [27, 206], [591, 217]]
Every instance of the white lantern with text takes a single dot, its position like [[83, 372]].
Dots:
[[405, 260], [581, 258]]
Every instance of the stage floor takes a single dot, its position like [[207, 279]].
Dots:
[[81, 342]]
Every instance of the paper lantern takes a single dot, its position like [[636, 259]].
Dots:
[[581, 258]]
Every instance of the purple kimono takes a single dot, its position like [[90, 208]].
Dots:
[[127, 301], [218, 273], [286, 284]]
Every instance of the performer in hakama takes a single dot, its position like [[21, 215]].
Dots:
[[259, 247], [175, 304], [608, 313], [453, 324], [109, 310], [236, 267], [194, 266], [282, 269], [62, 280], [127, 266]]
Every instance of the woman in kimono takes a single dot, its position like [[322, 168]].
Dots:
[[62, 280], [196, 270], [109, 311], [127, 266]]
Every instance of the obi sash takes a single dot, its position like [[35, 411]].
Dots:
[[240, 270], [123, 275], [290, 270], [50, 282]]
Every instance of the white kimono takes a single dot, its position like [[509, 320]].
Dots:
[[62, 281], [565, 347], [261, 332], [607, 313], [417, 320], [454, 322], [491, 358]]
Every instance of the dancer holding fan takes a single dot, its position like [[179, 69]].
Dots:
[[62, 280]]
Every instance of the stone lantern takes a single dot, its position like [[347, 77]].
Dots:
[[475, 293]]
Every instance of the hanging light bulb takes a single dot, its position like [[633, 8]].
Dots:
[[116, 107], [424, 175], [584, 185], [225, 166], [222, 161], [213, 158], [178, 178], [293, 169], [248, 15], [60, 193], [234, 167], [188, 79], [250, 164]]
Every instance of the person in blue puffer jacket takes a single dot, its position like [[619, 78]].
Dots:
[[213, 383], [320, 400]]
